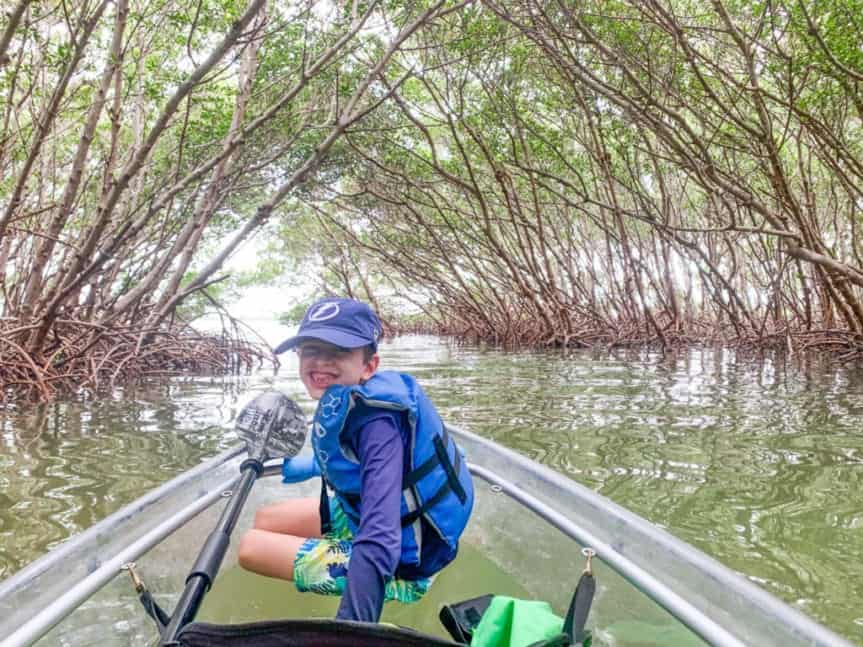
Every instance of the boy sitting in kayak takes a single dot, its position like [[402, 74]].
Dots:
[[403, 493]]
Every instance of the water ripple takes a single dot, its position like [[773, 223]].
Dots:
[[758, 463]]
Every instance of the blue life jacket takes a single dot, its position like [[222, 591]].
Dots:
[[437, 486]]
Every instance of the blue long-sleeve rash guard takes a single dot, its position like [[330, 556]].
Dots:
[[377, 544]]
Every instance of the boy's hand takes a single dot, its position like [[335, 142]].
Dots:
[[300, 468]]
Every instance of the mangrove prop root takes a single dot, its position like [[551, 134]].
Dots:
[[85, 358], [840, 344]]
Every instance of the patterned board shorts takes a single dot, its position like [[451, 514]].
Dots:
[[321, 565]]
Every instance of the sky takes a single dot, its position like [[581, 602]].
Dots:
[[260, 305]]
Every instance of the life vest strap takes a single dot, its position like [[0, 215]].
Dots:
[[406, 520], [427, 505], [451, 469], [440, 457], [426, 468], [324, 509]]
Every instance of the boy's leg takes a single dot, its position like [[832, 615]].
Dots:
[[316, 564], [271, 546], [298, 517], [269, 553]]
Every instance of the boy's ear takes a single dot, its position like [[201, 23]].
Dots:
[[371, 366]]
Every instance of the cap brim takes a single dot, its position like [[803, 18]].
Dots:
[[335, 337]]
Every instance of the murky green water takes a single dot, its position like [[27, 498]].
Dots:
[[757, 463]]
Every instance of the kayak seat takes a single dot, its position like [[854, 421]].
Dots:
[[461, 618], [305, 633]]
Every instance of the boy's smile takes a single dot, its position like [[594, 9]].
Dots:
[[323, 364]]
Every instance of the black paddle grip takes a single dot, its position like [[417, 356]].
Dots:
[[210, 557]]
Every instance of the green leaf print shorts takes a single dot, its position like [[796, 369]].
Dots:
[[321, 564]]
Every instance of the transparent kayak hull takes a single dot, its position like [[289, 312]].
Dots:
[[524, 539]]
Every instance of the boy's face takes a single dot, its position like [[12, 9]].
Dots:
[[323, 364]]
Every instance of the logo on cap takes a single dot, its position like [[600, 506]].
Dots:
[[324, 312]]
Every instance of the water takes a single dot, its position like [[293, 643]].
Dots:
[[756, 462]]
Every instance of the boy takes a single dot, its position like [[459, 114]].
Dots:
[[403, 493]]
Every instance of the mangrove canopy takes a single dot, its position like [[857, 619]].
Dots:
[[547, 173]]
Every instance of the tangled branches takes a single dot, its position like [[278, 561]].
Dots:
[[116, 202], [680, 174], [518, 329], [84, 358]]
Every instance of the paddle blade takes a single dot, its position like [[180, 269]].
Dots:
[[272, 426]]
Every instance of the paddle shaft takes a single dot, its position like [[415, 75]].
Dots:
[[210, 558]]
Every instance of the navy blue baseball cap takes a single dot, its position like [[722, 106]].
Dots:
[[342, 322]]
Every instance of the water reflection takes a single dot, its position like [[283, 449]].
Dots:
[[757, 462]]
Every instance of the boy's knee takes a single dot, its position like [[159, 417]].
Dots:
[[246, 549]]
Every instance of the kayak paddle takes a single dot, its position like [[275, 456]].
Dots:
[[272, 426]]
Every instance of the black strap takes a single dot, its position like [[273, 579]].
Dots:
[[579, 608], [421, 472], [154, 610], [324, 509], [451, 469], [413, 477], [428, 465], [352, 499], [427, 505]]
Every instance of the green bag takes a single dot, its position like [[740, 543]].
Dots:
[[509, 622], [501, 621]]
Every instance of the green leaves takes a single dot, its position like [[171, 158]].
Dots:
[[533, 161]]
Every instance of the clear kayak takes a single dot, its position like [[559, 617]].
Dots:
[[525, 540]]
